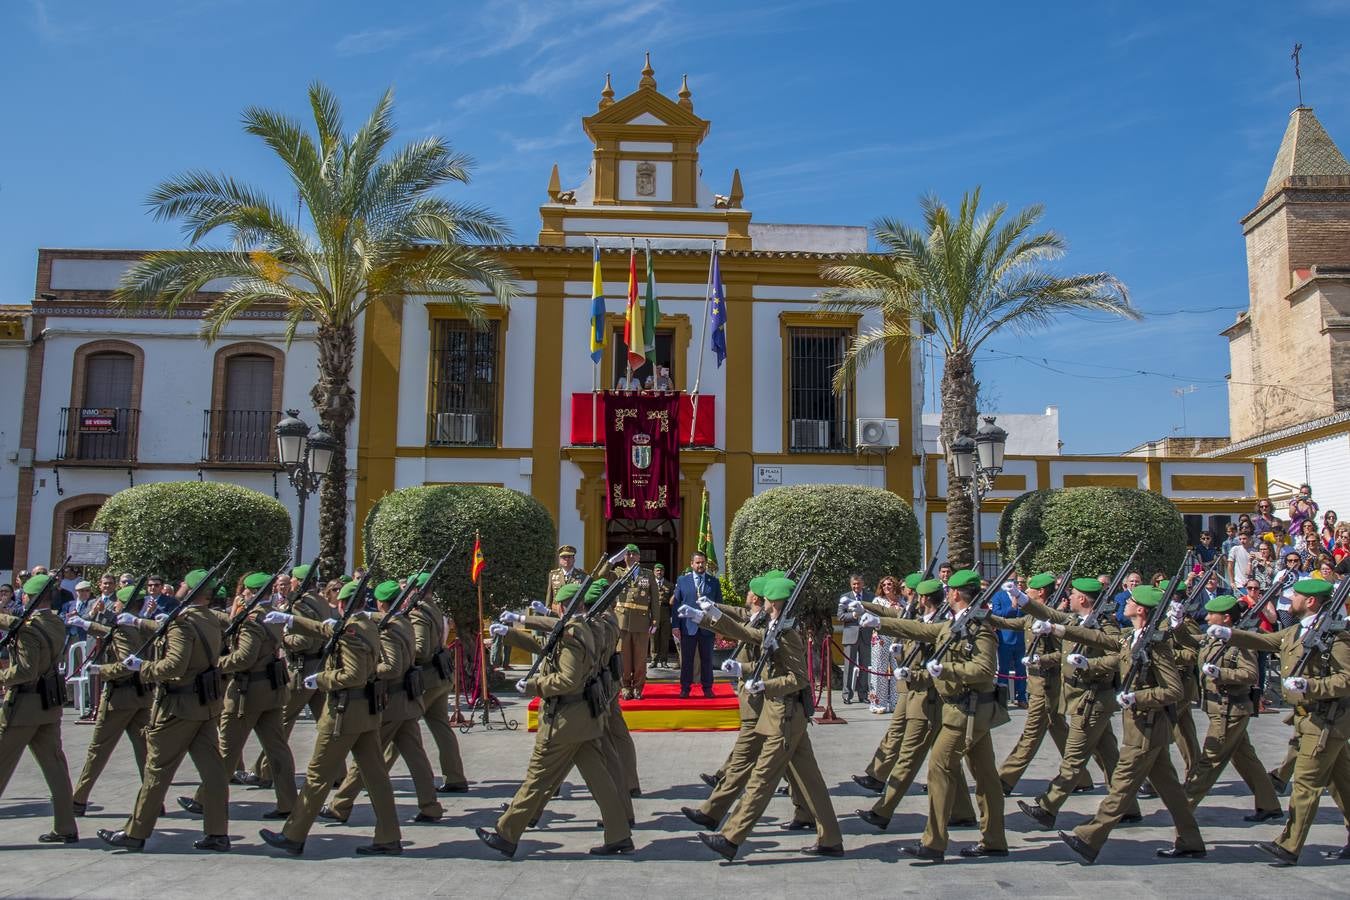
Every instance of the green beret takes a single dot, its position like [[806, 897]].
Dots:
[[33, 586], [1144, 595], [386, 591], [1043, 580], [194, 577], [1087, 585], [596, 589], [964, 578], [301, 572], [346, 579], [567, 592], [1221, 604], [774, 573], [1164, 585], [347, 590], [220, 592], [658, 567], [757, 585], [256, 580], [912, 580], [1308, 587], [422, 579], [779, 589], [928, 587], [632, 548], [124, 594]]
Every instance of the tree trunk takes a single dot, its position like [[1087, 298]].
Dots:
[[335, 401], [959, 416]]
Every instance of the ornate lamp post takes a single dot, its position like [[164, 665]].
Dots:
[[306, 456], [978, 461]]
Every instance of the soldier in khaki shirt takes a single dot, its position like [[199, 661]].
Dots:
[[31, 714], [659, 654], [566, 573], [430, 631], [635, 615]]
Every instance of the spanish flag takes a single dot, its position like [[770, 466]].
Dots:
[[634, 331], [478, 560], [597, 310]]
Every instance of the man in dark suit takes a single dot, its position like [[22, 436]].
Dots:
[[857, 640], [693, 586]]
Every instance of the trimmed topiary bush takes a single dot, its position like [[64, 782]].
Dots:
[[518, 537], [172, 527], [1104, 523], [1020, 524], [861, 529]]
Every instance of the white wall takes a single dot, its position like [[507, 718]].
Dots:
[[1323, 465]]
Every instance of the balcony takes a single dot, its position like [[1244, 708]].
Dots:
[[240, 436], [105, 434], [586, 407]]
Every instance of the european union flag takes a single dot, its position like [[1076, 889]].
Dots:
[[719, 314]]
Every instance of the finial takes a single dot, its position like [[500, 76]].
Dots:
[[647, 81], [607, 93], [686, 95], [554, 184], [737, 192]]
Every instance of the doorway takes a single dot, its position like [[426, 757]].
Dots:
[[657, 540]]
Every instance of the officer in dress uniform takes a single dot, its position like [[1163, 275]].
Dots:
[[635, 614], [659, 654], [566, 573]]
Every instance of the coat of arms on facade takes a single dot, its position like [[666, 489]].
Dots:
[[646, 179]]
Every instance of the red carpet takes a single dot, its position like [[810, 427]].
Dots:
[[661, 709]]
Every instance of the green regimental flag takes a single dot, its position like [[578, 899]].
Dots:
[[705, 535], [650, 315]]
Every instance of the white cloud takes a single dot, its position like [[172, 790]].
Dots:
[[372, 40]]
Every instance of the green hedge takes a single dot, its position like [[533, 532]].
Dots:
[[861, 529], [518, 536], [1103, 523], [172, 527], [1020, 523]]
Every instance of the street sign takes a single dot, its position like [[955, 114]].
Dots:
[[769, 474], [87, 548]]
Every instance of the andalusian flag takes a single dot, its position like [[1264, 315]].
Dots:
[[705, 534], [633, 327], [478, 560], [651, 315], [597, 310]]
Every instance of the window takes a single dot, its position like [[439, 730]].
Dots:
[[465, 381], [109, 382], [818, 418], [243, 427], [665, 346]]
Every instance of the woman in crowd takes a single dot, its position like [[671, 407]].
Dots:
[[1329, 520], [1308, 543], [881, 696], [1341, 548], [1264, 565]]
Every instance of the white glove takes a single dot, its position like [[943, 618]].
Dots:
[[510, 618], [331, 623], [1029, 660], [618, 557], [855, 607], [755, 687], [1019, 599], [934, 668], [897, 648], [1219, 632], [127, 619], [521, 685], [1209, 670], [277, 617], [710, 610], [92, 669], [732, 667], [160, 617], [497, 629], [78, 622], [1076, 660], [867, 620], [692, 614], [903, 674], [311, 682], [1125, 699], [1041, 626], [1296, 685], [133, 663], [538, 607]]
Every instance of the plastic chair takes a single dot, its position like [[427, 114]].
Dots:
[[75, 657]]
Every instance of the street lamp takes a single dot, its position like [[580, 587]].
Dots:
[[978, 462], [307, 456]]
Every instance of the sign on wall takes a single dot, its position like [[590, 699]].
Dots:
[[87, 548], [98, 421], [769, 474]]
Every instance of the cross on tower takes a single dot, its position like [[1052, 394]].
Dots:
[[1298, 75]]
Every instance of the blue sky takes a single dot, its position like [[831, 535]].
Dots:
[[1146, 130]]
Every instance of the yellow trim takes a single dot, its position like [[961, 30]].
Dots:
[[1155, 481], [546, 428], [463, 452], [786, 322], [728, 719], [439, 312], [1115, 480], [899, 387], [1010, 481], [1208, 482], [377, 426], [738, 412], [1042, 473]]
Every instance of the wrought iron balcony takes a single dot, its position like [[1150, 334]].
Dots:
[[98, 434], [239, 435]]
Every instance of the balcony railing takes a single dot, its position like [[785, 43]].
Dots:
[[239, 435], [102, 434]]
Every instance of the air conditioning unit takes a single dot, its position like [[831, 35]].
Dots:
[[456, 428], [877, 433], [810, 434]]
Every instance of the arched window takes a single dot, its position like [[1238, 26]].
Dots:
[[102, 420], [245, 399]]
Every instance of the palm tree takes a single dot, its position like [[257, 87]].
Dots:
[[963, 279], [372, 231]]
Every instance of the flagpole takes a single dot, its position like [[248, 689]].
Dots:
[[482, 650], [628, 313], [702, 341], [595, 378]]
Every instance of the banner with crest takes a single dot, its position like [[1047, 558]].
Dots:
[[642, 455]]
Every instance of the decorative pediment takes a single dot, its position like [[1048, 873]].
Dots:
[[646, 114]]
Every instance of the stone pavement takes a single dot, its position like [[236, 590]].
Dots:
[[446, 859]]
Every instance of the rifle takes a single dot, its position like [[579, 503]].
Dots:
[[932, 563], [32, 606], [403, 595], [204, 586], [264, 593], [420, 595], [1142, 649], [606, 598], [354, 602], [1107, 598], [977, 611], [1193, 599], [1325, 629], [136, 592], [788, 619], [1055, 600], [792, 570], [1251, 619], [555, 635], [311, 578]]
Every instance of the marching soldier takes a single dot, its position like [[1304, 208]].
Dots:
[[185, 720], [1229, 675], [1148, 708], [659, 654], [430, 630], [125, 706], [399, 731], [964, 681], [635, 616], [1320, 696], [569, 734], [348, 724], [35, 698], [1183, 730], [1087, 698], [883, 759]]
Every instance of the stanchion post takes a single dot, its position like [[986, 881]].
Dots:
[[828, 717]]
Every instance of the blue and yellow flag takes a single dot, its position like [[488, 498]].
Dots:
[[719, 313], [597, 311]]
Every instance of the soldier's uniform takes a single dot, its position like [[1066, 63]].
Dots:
[[302, 658], [31, 714], [348, 725], [400, 734], [1321, 721], [888, 749], [618, 742], [560, 576], [1146, 735], [662, 590], [1087, 699], [970, 711], [430, 630], [635, 615], [1229, 702], [124, 707], [1183, 730]]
